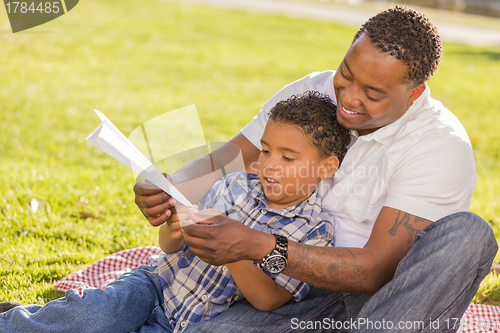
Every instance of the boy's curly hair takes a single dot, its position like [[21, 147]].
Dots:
[[315, 114], [410, 37]]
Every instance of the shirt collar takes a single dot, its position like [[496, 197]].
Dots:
[[305, 209]]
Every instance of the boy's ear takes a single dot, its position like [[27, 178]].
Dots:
[[328, 167]]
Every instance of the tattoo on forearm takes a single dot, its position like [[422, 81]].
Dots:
[[339, 269], [408, 222], [324, 264]]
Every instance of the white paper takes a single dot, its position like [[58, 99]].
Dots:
[[110, 140], [185, 223]]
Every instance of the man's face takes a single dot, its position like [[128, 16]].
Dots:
[[370, 89]]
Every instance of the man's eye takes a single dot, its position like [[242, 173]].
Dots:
[[344, 75], [373, 99]]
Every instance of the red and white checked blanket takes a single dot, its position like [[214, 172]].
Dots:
[[477, 319], [105, 271]]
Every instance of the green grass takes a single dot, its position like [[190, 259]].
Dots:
[[136, 60]]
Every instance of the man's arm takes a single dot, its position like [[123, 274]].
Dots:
[[357, 270], [156, 205], [352, 270]]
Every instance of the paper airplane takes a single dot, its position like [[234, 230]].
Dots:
[[110, 140]]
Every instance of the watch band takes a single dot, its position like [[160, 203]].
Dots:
[[275, 261], [281, 245]]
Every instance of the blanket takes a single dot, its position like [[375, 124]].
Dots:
[[477, 319]]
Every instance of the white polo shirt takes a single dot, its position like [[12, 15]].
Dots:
[[421, 164]]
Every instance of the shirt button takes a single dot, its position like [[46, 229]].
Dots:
[[183, 324], [263, 211], [224, 268], [204, 297]]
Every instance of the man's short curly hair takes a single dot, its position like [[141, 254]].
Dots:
[[408, 36], [315, 114]]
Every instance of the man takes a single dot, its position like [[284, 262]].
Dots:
[[394, 201]]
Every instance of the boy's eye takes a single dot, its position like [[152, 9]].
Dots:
[[288, 159], [264, 151]]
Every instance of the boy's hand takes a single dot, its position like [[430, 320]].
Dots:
[[176, 231], [193, 216], [202, 216], [179, 219], [221, 240]]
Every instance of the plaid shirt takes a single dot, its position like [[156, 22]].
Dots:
[[196, 291]]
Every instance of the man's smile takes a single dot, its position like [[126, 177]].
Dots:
[[349, 111]]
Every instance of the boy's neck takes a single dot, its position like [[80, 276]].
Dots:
[[274, 205]]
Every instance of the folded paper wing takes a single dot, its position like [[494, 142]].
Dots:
[[110, 140]]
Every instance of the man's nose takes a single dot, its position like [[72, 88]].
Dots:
[[351, 96]]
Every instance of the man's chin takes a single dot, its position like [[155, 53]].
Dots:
[[346, 124]]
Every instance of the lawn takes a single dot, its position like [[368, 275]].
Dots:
[[136, 60]]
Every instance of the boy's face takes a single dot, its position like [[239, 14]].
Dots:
[[370, 88], [289, 166]]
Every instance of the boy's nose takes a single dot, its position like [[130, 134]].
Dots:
[[270, 163]]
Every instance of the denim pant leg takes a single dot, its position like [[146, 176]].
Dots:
[[436, 280], [318, 305], [131, 302]]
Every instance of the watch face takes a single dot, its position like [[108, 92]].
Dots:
[[275, 264]]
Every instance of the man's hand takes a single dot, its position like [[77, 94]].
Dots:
[[219, 240], [156, 205]]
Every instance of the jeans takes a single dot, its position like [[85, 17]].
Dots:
[[132, 303], [433, 285]]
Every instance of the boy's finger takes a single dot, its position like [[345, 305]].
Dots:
[[184, 209], [186, 222], [175, 226], [177, 234], [181, 213], [174, 218], [211, 212], [203, 218]]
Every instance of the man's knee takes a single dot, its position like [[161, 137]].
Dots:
[[473, 233]]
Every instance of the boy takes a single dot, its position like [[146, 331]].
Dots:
[[301, 145], [280, 199]]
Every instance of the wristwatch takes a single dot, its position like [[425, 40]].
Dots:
[[275, 262]]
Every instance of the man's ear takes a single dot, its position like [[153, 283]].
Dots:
[[328, 167], [417, 91]]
